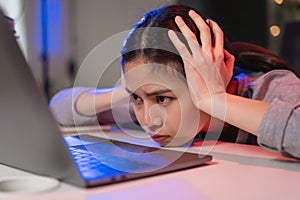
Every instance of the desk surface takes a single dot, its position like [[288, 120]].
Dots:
[[236, 172]]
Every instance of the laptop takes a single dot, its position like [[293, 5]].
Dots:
[[31, 139]]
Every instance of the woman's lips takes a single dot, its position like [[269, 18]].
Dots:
[[160, 138]]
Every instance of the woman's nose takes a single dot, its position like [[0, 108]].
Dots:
[[154, 117]]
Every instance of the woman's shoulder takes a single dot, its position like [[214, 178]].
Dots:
[[279, 77], [276, 84]]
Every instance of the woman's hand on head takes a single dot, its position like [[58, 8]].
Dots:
[[209, 66]]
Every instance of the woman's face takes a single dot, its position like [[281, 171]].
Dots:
[[162, 104]]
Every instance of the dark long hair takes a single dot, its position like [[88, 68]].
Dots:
[[254, 58], [149, 41]]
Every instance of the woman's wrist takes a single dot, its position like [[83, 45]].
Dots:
[[214, 105], [237, 111], [109, 100]]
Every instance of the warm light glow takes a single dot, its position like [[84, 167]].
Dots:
[[279, 2], [275, 30]]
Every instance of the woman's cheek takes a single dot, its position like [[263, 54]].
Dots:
[[138, 114]]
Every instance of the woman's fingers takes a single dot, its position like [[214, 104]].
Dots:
[[181, 48], [187, 58], [218, 40], [229, 61], [205, 35], [188, 34]]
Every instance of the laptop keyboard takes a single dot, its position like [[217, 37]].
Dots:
[[98, 165], [89, 166]]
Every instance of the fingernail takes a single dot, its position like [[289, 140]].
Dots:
[[192, 12], [177, 19], [171, 33]]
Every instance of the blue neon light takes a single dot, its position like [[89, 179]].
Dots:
[[48, 32]]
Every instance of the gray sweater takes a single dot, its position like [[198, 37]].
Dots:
[[279, 130]]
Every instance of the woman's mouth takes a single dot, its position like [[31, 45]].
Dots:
[[161, 139]]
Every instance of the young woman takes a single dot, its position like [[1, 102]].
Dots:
[[179, 73]]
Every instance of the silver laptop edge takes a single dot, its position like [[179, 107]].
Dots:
[[30, 139]]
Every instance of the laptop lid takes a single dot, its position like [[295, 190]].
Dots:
[[30, 138]]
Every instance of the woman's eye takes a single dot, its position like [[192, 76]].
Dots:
[[163, 99], [135, 98]]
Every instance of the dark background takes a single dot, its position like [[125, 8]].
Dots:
[[240, 20]]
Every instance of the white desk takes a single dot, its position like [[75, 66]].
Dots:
[[236, 172]]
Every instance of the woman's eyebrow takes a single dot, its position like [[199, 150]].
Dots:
[[128, 90], [158, 92]]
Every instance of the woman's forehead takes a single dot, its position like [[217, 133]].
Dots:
[[151, 68], [136, 75], [146, 79]]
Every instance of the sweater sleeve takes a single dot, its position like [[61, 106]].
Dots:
[[279, 130], [62, 106]]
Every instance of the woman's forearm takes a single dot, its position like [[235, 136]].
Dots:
[[244, 113], [98, 100], [247, 114]]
